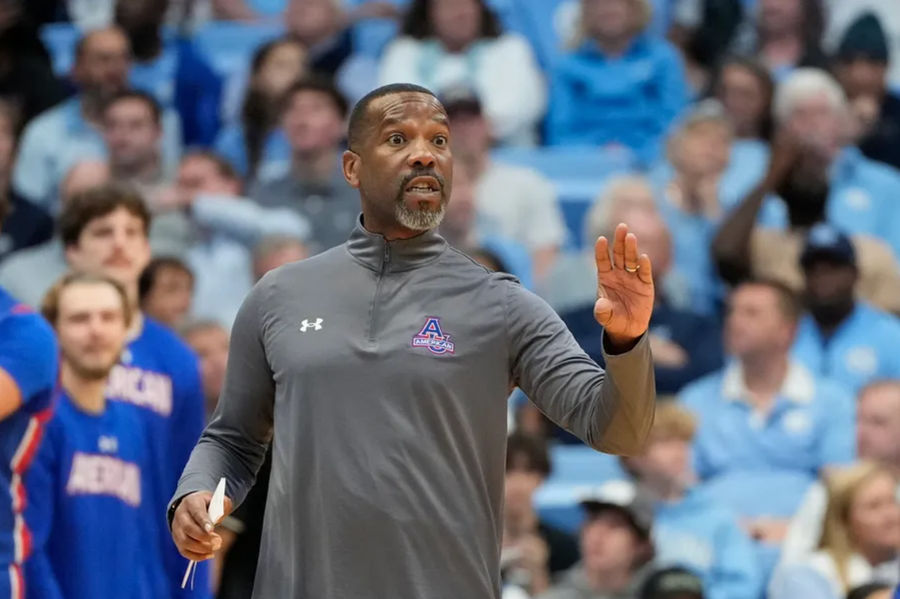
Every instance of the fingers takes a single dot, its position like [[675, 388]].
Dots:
[[631, 252], [619, 246], [192, 530], [645, 270], [601, 255], [198, 510]]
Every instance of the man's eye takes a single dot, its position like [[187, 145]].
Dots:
[[440, 141], [396, 139]]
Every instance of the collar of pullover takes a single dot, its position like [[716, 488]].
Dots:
[[379, 254]]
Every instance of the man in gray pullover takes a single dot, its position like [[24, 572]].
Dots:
[[381, 370]]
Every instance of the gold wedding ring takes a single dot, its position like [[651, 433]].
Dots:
[[634, 269]]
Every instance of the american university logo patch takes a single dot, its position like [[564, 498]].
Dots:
[[433, 338]]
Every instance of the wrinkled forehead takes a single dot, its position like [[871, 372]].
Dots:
[[406, 107]]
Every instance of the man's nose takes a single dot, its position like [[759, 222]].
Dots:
[[420, 155]]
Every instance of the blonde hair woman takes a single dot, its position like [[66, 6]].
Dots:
[[617, 86], [860, 540]]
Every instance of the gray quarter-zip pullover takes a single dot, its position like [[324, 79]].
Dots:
[[382, 369]]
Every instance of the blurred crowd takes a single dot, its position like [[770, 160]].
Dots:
[[184, 148]]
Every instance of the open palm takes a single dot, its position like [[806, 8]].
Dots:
[[624, 288]]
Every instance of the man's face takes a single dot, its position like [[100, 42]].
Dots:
[[521, 483], [131, 133], [755, 323], [403, 166], [667, 460], [609, 543], [211, 346], [115, 245], [608, 19], [829, 284], [457, 23], [169, 300], [91, 328], [311, 20], [703, 149], [198, 175], [312, 122], [861, 77], [817, 125], [878, 425], [103, 66], [776, 16], [471, 135]]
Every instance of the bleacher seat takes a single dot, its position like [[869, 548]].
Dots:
[[230, 45], [576, 470], [60, 40]]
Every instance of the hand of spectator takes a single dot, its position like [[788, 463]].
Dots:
[[667, 353], [784, 156], [193, 532], [170, 198], [624, 290], [767, 530]]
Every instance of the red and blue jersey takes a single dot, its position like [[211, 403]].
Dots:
[[93, 534], [158, 377], [29, 355]]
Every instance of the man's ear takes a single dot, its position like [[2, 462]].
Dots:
[[71, 253], [350, 163]]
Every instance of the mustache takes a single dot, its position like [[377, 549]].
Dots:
[[422, 172]]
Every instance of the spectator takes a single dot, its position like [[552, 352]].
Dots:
[[860, 537], [524, 533], [811, 106], [132, 131], [743, 248], [691, 530], [703, 30], [461, 227], [171, 69], [842, 337], [686, 345], [447, 43], [29, 273], [673, 583], [209, 340], [26, 224], [257, 139], [92, 527], [165, 290], [314, 184], [105, 231], [877, 440], [616, 548], [69, 132], [843, 14], [765, 412], [274, 251], [618, 86], [745, 88], [785, 34], [861, 68], [511, 202], [28, 389], [222, 230], [321, 26]]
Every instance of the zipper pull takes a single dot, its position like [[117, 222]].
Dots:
[[387, 253]]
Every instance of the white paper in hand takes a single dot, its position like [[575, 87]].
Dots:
[[215, 511]]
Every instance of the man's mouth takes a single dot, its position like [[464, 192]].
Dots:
[[423, 185]]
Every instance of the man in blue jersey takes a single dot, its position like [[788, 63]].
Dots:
[[88, 488], [28, 364], [104, 231]]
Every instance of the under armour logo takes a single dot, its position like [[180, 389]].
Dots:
[[315, 325]]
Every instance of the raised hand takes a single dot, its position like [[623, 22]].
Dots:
[[624, 289]]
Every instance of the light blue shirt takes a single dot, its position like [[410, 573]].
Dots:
[[231, 144], [59, 138], [862, 349], [810, 424], [864, 197], [629, 100], [698, 534]]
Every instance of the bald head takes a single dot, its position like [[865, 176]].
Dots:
[[102, 60], [83, 176]]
